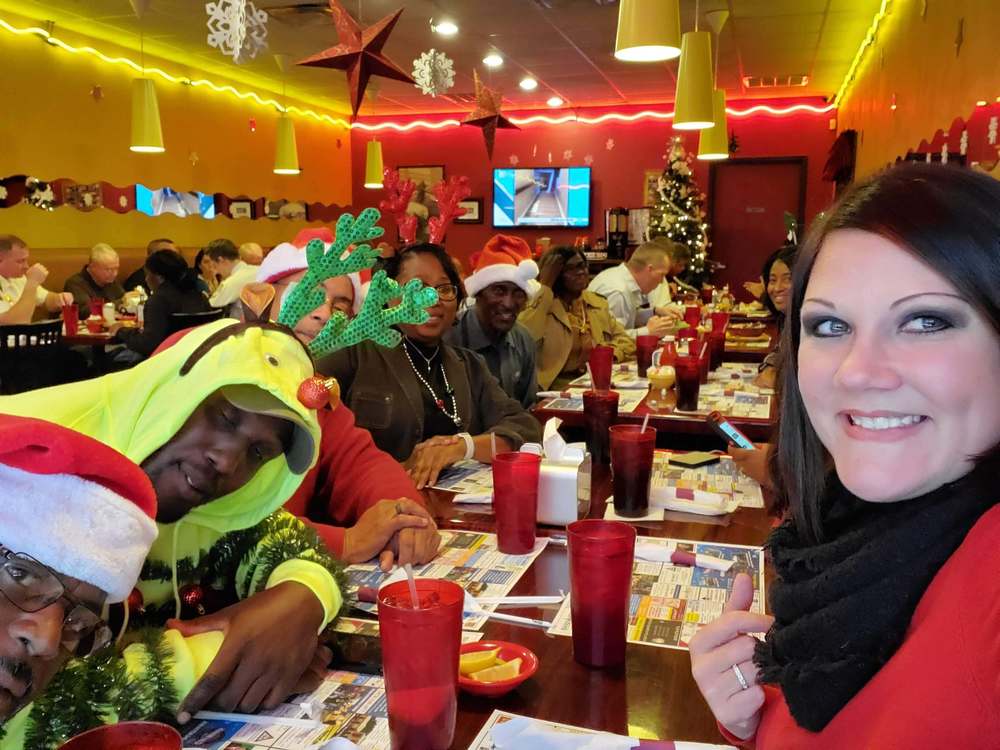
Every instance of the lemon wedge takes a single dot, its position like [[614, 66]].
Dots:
[[506, 671], [475, 661]]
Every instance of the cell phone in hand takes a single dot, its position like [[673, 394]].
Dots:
[[725, 429]]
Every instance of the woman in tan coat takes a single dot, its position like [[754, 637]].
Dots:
[[567, 321]]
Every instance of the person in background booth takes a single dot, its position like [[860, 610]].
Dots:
[[425, 402], [888, 454], [207, 278], [629, 286], [138, 277], [96, 280], [21, 289], [567, 321], [234, 274]]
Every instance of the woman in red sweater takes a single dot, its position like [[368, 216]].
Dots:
[[887, 598]]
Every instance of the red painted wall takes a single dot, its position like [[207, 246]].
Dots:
[[618, 172]]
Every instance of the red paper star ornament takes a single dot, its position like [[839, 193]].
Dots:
[[359, 53], [487, 114]]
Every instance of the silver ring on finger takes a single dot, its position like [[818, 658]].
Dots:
[[744, 685], [399, 509]]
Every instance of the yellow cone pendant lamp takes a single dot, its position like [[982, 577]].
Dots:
[[713, 142], [693, 106], [286, 154], [648, 30], [147, 137], [373, 166]]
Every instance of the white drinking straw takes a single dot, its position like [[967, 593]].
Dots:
[[412, 584], [493, 445], [645, 422]]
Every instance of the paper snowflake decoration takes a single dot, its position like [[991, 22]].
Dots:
[[433, 72], [237, 28], [567, 154], [39, 194], [609, 144], [588, 159], [514, 160], [123, 201]]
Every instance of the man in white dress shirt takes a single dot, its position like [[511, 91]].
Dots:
[[628, 287], [21, 289], [235, 274]]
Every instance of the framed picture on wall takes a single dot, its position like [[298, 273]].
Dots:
[[638, 224], [650, 197], [422, 203], [424, 176], [241, 209], [473, 211]]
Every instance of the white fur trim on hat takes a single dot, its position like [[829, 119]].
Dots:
[[283, 260], [521, 274], [76, 527]]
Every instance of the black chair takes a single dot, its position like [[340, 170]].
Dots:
[[181, 321], [31, 356]]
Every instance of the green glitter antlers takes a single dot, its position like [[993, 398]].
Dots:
[[374, 321]]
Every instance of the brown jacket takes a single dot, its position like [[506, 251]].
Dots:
[[380, 387], [546, 319]]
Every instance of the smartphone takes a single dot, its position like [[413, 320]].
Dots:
[[724, 429]]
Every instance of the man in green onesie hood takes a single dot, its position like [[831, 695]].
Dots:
[[216, 424]]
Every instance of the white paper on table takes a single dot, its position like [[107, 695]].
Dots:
[[654, 514], [523, 733], [703, 502], [658, 552]]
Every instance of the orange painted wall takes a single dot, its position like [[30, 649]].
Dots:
[[52, 127], [915, 58]]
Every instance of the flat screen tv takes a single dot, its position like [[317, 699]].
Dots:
[[541, 197]]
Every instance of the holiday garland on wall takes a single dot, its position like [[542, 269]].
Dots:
[[679, 213]]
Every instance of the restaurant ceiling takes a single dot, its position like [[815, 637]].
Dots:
[[566, 45]]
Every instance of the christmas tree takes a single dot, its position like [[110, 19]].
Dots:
[[678, 213]]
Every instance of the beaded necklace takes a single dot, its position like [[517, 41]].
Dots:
[[449, 391]]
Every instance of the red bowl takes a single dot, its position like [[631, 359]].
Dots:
[[508, 651], [129, 735]]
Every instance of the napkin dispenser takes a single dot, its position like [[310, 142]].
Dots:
[[564, 477]]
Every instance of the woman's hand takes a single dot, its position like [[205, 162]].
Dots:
[[431, 456], [269, 644], [551, 269], [723, 644], [756, 288], [391, 530], [753, 463]]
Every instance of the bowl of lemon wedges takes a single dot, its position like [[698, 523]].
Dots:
[[493, 668]]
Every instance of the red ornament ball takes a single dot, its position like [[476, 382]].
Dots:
[[192, 595], [135, 601], [316, 392]]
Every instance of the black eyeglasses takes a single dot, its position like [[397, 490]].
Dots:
[[31, 587], [446, 292]]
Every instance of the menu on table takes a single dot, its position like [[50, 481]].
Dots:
[[468, 477], [624, 376], [628, 401], [484, 739], [470, 559], [722, 478], [346, 704], [358, 626], [670, 602]]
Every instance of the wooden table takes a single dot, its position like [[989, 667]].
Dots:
[[86, 338], [653, 695], [743, 353]]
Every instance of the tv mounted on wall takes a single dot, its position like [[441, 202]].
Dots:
[[541, 197]]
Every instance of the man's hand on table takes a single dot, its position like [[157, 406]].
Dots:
[[270, 644], [430, 457], [396, 531]]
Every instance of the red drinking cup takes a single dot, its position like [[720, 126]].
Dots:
[[128, 735], [716, 348], [719, 321], [692, 315], [704, 358], [706, 293], [97, 306], [644, 348], [600, 576], [515, 500], [420, 661], [601, 360], [688, 370], [71, 319], [600, 411], [632, 468]]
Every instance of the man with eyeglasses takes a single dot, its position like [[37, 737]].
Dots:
[[76, 524], [501, 282]]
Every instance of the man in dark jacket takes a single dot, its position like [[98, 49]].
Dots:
[[96, 280]]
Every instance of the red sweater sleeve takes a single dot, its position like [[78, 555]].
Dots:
[[351, 475]]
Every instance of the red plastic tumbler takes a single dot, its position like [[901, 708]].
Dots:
[[600, 411], [632, 468], [515, 500], [644, 348], [601, 360], [128, 735], [71, 319], [688, 370]]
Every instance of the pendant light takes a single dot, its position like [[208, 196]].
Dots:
[[693, 102], [713, 142], [648, 30], [286, 152], [373, 165], [147, 135]]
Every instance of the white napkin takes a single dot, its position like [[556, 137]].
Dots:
[[652, 552], [523, 733], [554, 447]]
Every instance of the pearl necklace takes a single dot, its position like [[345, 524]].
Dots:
[[449, 391]]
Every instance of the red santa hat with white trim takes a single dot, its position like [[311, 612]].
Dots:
[[504, 258], [74, 504]]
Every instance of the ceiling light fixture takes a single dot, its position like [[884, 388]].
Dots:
[[693, 105], [648, 30], [445, 28], [147, 136], [286, 153], [528, 84], [555, 101], [713, 142], [981, 103], [493, 60], [373, 165]]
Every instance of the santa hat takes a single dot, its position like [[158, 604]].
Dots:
[[74, 504], [504, 258], [290, 257]]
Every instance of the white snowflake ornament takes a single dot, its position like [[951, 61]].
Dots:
[[237, 28], [609, 144], [567, 154], [514, 161], [433, 72], [588, 159], [123, 201]]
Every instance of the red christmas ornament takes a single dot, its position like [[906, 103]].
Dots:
[[193, 596], [315, 392], [359, 53], [135, 602], [487, 114]]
